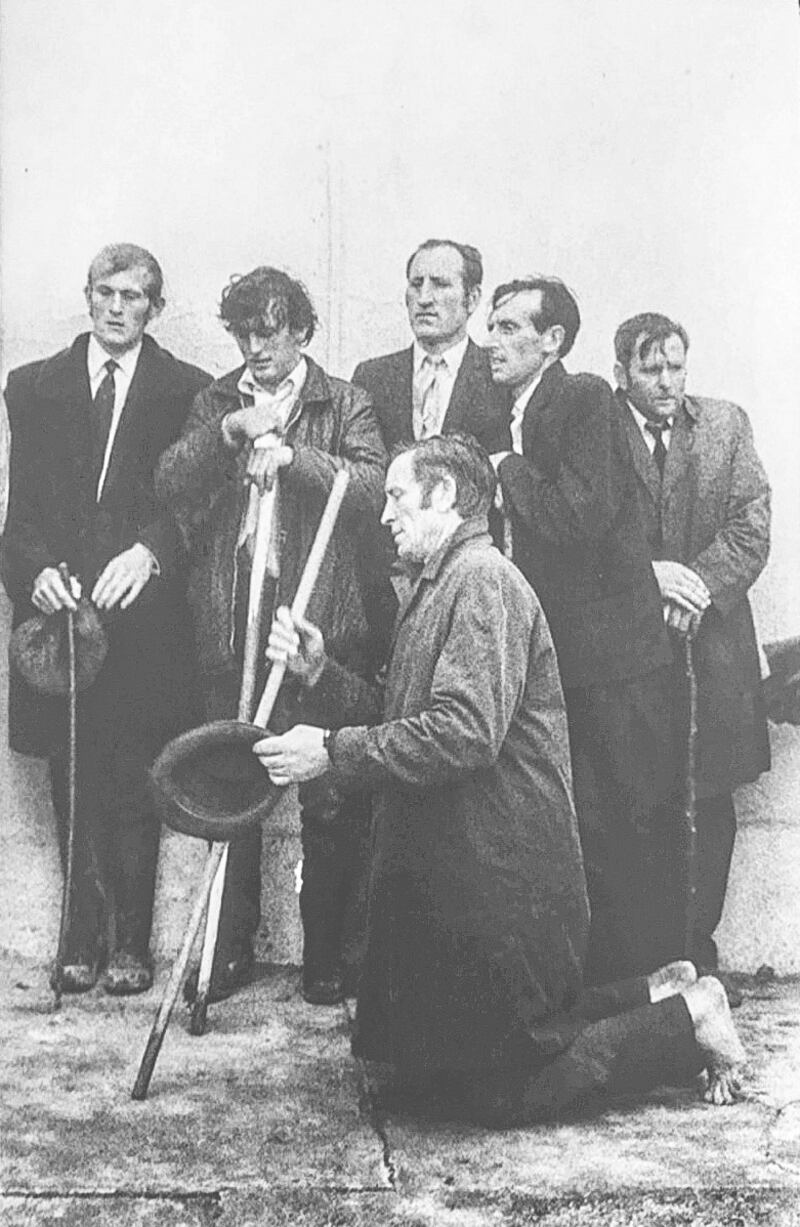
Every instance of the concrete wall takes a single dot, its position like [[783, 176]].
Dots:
[[645, 152]]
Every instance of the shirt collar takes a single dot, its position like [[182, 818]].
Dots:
[[642, 422], [97, 357], [291, 386], [452, 357]]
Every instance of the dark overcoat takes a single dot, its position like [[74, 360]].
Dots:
[[53, 517], [478, 916], [712, 513]]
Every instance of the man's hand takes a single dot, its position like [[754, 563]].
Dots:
[[251, 422], [50, 593], [296, 756], [297, 644], [123, 578], [679, 619], [679, 585], [264, 465]]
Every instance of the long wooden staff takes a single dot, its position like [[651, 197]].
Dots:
[[305, 587], [252, 639], [690, 795], [57, 978]]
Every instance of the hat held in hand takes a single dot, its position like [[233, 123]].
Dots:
[[39, 649]]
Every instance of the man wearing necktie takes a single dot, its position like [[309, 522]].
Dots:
[[87, 428], [576, 534], [705, 506], [280, 422]]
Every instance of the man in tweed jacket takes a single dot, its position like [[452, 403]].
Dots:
[[706, 508]]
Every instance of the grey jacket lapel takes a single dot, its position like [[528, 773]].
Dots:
[[643, 462]]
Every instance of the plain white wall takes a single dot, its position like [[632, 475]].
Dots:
[[646, 151]]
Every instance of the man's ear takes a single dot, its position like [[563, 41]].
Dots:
[[555, 338], [444, 493], [473, 297], [621, 376], [156, 307]]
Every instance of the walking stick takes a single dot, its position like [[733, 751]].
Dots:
[[304, 590], [690, 794], [57, 979], [252, 638]]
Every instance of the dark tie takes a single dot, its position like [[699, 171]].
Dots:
[[102, 413], [659, 451]]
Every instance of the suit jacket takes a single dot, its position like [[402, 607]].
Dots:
[[712, 513], [477, 407], [577, 535], [53, 517]]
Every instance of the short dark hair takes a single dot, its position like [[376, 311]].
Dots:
[[458, 456], [267, 296], [559, 306], [472, 261], [641, 332], [119, 257]]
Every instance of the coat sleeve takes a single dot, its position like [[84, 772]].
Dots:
[[478, 680], [359, 449], [25, 547], [568, 492], [730, 564]]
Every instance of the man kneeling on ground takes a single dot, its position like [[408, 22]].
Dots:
[[478, 919]]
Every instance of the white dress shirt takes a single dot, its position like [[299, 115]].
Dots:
[[96, 359], [446, 376]]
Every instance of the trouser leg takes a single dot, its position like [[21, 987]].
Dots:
[[333, 893], [716, 834], [241, 900], [85, 935], [622, 1055]]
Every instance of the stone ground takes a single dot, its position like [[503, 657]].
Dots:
[[266, 1120]]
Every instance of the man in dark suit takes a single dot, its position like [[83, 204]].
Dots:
[[706, 509], [570, 497], [87, 428], [442, 382]]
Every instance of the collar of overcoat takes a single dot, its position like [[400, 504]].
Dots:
[[316, 389], [409, 584]]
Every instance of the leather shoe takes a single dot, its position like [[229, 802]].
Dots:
[[323, 992], [127, 974], [75, 978], [227, 975]]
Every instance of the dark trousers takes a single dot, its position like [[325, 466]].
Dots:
[[633, 1048], [334, 832], [116, 832], [626, 772], [716, 834]]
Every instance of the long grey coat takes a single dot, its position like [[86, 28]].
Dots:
[[478, 916], [712, 512]]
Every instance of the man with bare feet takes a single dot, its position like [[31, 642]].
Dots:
[[472, 986]]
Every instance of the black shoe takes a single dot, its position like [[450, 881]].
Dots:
[[323, 992], [227, 975], [75, 978], [127, 974]]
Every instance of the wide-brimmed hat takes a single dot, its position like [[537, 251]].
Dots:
[[39, 649], [207, 782]]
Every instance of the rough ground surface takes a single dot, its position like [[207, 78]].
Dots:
[[266, 1120]]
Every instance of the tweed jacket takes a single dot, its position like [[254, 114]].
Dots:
[[332, 427], [712, 512], [577, 535], [477, 407], [53, 517], [477, 900]]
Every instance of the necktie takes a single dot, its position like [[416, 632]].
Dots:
[[659, 451], [102, 413], [429, 405]]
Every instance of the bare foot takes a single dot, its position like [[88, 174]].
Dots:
[[717, 1039], [671, 979]]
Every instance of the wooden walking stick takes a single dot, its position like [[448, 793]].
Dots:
[[690, 794], [305, 587], [252, 638], [57, 978]]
